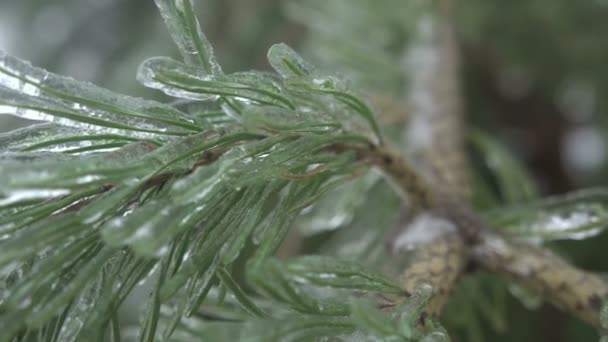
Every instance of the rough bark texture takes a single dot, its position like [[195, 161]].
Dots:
[[573, 290], [438, 263]]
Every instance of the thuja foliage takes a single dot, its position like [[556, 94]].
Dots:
[[193, 199]]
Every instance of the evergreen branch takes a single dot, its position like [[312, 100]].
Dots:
[[188, 198]]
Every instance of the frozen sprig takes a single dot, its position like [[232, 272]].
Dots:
[[137, 186], [575, 216], [187, 34], [35, 94]]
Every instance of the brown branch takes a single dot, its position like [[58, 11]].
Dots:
[[413, 187], [573, 290], [441, 180], [438, 263], [435, 131]]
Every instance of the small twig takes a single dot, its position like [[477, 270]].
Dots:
[[412, 186]]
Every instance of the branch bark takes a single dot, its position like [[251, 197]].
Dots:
[[445, 192], [435, 144], [576, 291]]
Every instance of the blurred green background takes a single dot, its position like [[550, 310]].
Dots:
[[534, 75]]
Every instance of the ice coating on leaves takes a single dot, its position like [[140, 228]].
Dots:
[[233, 248], [260, 87], [325, 271], [22, 176], [190, 82], [174, 78], [289, 327], [266, 118], [340, 100], [152, 223], [358, 241], [36, 94], [338, 207], [287, 62], [75, 319], [48, 137], [132, 226], [576, 225], [263, 99], [186, 33], [270, 278], [58, 264], [579, 215], [202, 194], [148, 228], [300, 75]]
